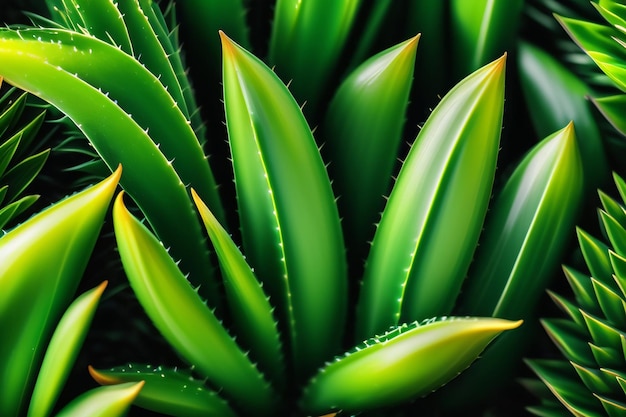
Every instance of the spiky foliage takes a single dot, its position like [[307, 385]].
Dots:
[[590, 381], [20, 121]]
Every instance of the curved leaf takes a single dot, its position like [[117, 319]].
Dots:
[[409, 361], [167, 391], [61, 238], [182, 318], [111, 401], [289, 220], [428, 231], [48, 71], [62, 351], [364, 123], [249, 306]]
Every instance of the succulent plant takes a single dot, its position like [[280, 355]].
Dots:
[[313, 325]]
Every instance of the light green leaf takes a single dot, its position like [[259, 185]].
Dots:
[[177, 311], [527, 231], [49, 71], [110, 401], [364, 123], [62, 351], [430, 226], [408, 361], [61, 238], [249, 306]]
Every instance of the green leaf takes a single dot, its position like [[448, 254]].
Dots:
[[302, 27], [249, 306], [10, 211], [560, 377], [408, 361], [482, 30], [167, 391], [527, 231], [364, 123], [432, 221], [110, 401], [61, 238], [567, 101], [612, 108], [600, 43], [177, 311], [596, 255], [62, 351], [22, 174], [49, 71], [289, 220]]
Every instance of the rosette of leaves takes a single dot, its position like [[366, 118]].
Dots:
[[123, 61], [590, 379], [20, 122]]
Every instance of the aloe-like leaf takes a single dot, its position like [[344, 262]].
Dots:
[[289, 219], [62, 351], [109, 401], [167, 391], [101, 19], [596, 255], [521, 247], [65, 235], [249, 305], [364, 123], [373, 23], [430, 226], [406, 362], [599, 41], [482, 30], [182, 318], [527, 230], [121, 139], [306, 42], [615, 233], [567, 101], [567, 337]]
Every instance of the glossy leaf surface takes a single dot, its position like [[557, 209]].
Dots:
[[406, 362], [364, 123], [110, 401], [431, 223], [52, 69], [249, 305], [61, 238], [289, 219], [183, 319], [62, 351], [167, 391]]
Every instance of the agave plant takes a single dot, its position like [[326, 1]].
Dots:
[[116, 71]]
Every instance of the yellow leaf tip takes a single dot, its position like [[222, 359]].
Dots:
[[101, 378]]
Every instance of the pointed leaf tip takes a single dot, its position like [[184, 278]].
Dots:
[[101, 378]]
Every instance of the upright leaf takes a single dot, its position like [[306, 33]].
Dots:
[[183, 319], [363, 132], [61, 239], [306, 42], [428, 231], [289, 220]]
